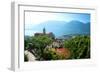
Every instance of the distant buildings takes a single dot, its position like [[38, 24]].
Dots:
[[57, 43], [50, 34]]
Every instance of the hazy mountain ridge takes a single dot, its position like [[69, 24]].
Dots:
[[63, 28]]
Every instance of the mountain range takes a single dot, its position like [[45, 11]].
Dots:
[[63, 28]]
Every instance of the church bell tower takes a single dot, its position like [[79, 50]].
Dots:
[[44, 31]]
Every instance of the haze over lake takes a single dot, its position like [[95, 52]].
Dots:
[[58, 23]]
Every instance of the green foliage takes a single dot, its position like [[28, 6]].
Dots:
[[53, 54], [50, 54], [42, 41], [27, 42], [79, 46], [38, 44], [25, 58]]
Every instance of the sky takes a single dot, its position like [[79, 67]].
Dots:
[[33, 19]]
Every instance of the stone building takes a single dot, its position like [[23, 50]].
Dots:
[[50, 34]]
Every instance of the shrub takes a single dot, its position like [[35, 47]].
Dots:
[[56, 54], [25, 58], [79, 46]]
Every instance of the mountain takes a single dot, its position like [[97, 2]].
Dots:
[[63, 28], [77, 27], [51, 26]]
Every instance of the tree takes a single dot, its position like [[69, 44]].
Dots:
[[40, 42], [79, 46]]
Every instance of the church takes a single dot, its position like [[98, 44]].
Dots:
[[50, 34]]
